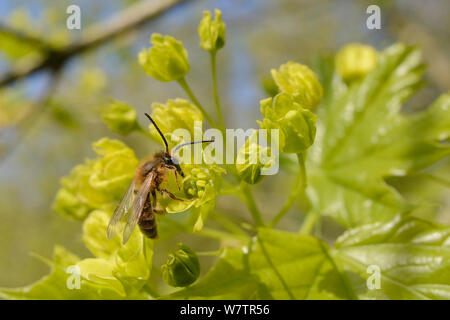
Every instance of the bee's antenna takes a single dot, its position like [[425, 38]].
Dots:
[[159, 131], [193, 142]]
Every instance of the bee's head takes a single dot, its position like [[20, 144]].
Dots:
[[172, 161], [167, 157]]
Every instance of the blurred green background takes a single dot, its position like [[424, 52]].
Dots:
[[261, 34]]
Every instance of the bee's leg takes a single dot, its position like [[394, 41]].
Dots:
[[170, 194], [155, 203], [176, 179], [174, 169], [159, 211]]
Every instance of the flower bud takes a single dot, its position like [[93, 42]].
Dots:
[[355, 60], [300, 82], [181, 268], [297, 126], [167, 60], [120, 117], [175, 114], [249, 160], [212, 32]]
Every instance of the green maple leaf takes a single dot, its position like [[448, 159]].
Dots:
[[362, 137], [293, 266], [413, 257]]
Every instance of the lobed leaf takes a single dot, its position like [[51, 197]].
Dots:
[[362, 137], [413, 257]]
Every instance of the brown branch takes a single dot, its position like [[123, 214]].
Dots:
[[54, 59], [96, 35], [30, 39]]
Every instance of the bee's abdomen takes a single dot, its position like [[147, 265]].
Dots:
[[148, 228], [147, 222]]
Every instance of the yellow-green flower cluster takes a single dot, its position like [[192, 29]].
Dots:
[[300, 82], [167, 60], [120, 117], [202, 182], [212, 32], [94, 230], [117, 267], [97, 182], [297, 125], [355, 60], [200, 185], [175, 114]]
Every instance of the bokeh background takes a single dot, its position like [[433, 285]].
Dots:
[[261, 34]]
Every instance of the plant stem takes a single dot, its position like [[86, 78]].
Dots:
[[220, 235], [151, 291], [248, 199], [310, 221], [228, 188], [299, 187], [216, 93], [191, 95], [228, 223]]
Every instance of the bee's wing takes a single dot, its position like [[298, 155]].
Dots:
[[138, 205], [121, 210]]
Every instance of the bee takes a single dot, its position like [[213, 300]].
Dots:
[[140, 196]]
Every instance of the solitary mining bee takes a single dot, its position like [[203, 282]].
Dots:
[[141, 194]]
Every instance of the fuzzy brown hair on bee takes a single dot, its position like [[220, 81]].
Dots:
[[140, 199]]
